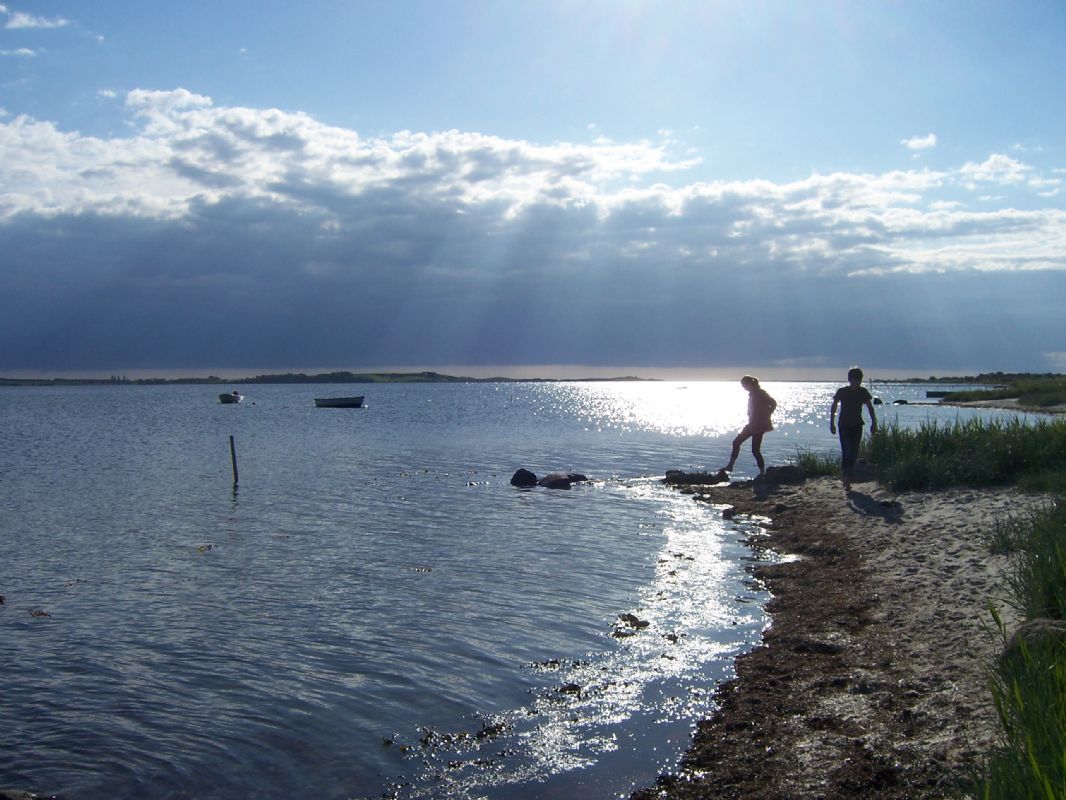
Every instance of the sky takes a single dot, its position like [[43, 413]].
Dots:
[[539, 188]]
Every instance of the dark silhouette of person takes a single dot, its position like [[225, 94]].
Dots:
[[760, 407], [851, 399]]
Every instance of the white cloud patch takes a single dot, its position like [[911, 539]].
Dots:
[[997, 168], [21, 52], [19, 19], [186, 151], [920, 142]]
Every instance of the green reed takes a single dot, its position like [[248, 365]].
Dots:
[[1029, 693], [974, 452], [1029, 682], [816, 463], [1038, 572]]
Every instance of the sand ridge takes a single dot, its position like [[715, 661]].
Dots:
[[872, 679]]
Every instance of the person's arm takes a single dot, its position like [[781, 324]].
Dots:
[[873, 417], [833, 415]]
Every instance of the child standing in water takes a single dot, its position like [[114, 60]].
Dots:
[[760, 407], [851, 399]]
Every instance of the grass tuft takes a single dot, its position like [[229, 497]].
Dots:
[[817, 463], [972, 453], [1029, 693]]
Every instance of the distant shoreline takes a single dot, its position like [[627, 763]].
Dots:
[[983, 379], [300, 378]]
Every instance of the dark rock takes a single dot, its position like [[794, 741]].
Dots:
[[899, 402], [633, 621], [678, 477], [490, 731], [560, 480], [555, 481], [523, 478], [789, 473]]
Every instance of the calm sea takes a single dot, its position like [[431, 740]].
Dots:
[[373, 610]]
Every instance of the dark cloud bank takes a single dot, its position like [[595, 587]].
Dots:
[[253, 284]]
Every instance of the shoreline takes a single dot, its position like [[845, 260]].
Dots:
[[1009, 404], [872, 677]]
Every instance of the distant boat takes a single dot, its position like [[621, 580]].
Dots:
[[339, 402], [231, 397]]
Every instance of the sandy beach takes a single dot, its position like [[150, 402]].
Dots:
[[872, 680]]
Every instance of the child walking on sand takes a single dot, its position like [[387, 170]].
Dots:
[[760, 407], [851, 399]]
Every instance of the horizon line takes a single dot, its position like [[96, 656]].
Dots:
[[532, 372]]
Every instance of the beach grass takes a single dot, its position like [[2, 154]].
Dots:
[[974, 452], [1038, 576], [817, 463], [1028, 684], [1029, 692]]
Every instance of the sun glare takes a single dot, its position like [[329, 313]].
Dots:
[[677, 408]]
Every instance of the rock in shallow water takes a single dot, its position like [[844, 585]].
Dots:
[[555, 480], [523, 477]]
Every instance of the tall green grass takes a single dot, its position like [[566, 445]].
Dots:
[[1029, 692], [1037, 580], [971, 453], [1029, 682], [816, 463]]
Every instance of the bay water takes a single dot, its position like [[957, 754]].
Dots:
[[373, 610]]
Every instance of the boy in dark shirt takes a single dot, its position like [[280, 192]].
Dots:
[[851, 399]]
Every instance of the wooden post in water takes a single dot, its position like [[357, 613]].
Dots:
[[233, 459]]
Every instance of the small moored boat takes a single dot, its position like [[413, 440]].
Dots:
[[231, 397], [339, 402]]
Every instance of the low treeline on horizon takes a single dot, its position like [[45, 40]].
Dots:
[[294, 378], [984, 378]]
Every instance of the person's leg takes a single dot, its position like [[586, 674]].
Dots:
[[756, 450], [741, 438], [850, 438]]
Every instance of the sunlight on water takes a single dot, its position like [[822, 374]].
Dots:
[[679, 409], [707, 409], [657, 660]]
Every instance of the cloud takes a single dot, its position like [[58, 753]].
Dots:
[[215, 234], [996, 168], [920, 142], [19, 19], [21, 52]]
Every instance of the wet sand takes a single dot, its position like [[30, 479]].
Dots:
[[872, 679]]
